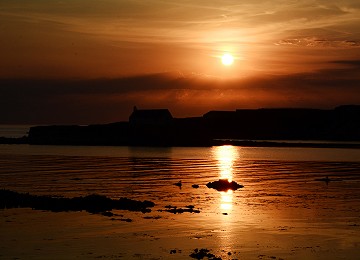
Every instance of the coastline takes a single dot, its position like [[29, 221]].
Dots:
[[315, 128], [216, 142], [275, 215], [290, 143]]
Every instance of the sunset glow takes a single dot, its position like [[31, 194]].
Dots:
[[169, 129], [248, 55], [227, 59]]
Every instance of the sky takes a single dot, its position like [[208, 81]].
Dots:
[[88, 61]]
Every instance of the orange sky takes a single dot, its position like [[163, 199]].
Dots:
[[273, 42]]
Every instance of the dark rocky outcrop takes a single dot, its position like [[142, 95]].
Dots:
[[176, 210], [203, 253], [91, 203], [224, 185]]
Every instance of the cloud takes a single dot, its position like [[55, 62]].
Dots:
[[109, 100], [352, 63], [174, 21], [319, 42], [88, 38]]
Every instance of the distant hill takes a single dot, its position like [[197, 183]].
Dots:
[[157, 127]]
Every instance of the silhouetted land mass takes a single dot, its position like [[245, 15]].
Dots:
[[91, 203], [14, 140], [246, 127]]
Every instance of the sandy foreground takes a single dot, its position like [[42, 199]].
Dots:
[[294, 204], [33, 234]]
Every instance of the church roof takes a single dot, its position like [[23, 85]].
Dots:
[[150, 114]]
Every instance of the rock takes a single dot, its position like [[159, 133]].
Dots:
[[126, 219], [91, 203], [224, 185], [107, 214], [202, 253], [176, 210]]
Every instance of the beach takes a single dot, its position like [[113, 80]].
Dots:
[[286, 209]]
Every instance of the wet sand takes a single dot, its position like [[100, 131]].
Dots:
[[284, 210], [266, 227]]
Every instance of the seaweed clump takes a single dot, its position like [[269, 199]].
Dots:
[[176, 210], [202, 253], [92, 203]]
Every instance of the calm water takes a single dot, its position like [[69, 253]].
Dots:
[[14, 130], [282, 211]]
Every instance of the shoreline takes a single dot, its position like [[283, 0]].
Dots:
[[275, 215], [219, 142]]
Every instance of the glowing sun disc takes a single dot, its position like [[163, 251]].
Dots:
[[227, 59]]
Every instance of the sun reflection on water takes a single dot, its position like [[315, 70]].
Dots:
[[226, 200], [226, 155]]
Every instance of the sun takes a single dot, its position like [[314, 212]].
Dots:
[[227, 59]]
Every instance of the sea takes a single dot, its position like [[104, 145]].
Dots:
[[14, 131], [286, 209]]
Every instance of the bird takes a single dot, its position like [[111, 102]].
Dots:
[[179, 184], [326, 179]]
